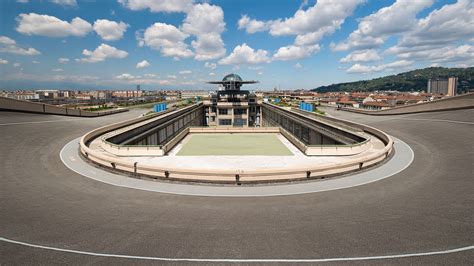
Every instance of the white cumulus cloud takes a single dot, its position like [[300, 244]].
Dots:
[[364, 69], [203, 21], [444, 54], [185, 72], [63, 60], [298, 65], [167, 39], [206, 22], [374, 29], [110, 30], [167, 6], [362, 56], [65, 2], [308, 26], [252, 25], [143, 64], [8, 45], [325, 17], [101, 53], [443, 27], [293, 52], [244, 54], [45, 25], [125, 76], [210, 65]]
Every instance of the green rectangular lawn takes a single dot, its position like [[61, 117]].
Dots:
[[234, 144]]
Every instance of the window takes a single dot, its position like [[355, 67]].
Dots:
[[169, 131], [240, 122], [240, 111], [305, 135], [162, 135], [213, 119], [213, 110], [225, 122], [223, 111], [297, 131]]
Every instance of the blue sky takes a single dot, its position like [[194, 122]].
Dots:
[[168, 44]]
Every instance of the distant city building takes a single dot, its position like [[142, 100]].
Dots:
[[48, 94], [194, 94], [26, 96], [172, 95], [380, 105], [446, 87], [232, 106], [128, 94], [83, 96]]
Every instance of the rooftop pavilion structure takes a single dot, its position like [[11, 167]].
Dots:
[[232, 82], [232, 106]]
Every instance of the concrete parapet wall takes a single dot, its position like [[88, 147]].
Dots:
[[120, 150], [338, 150], [465, 101], [42, 108], [221, 129]]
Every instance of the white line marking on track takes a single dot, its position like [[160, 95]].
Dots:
[[37, 122], [436, 120], [229, 260]]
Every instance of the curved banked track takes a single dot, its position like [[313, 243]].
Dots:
[[427, 207]]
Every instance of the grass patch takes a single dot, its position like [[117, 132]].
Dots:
[[234, 144]]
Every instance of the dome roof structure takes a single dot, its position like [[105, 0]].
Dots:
[[232, 82], [232, 77]]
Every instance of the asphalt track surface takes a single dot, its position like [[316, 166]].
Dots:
[[427, 207]]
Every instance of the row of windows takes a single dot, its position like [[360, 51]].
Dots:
[[237, 111]]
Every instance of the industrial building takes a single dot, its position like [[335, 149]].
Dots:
[[446, 87]]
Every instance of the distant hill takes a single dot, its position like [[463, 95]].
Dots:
[[414, 80]]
